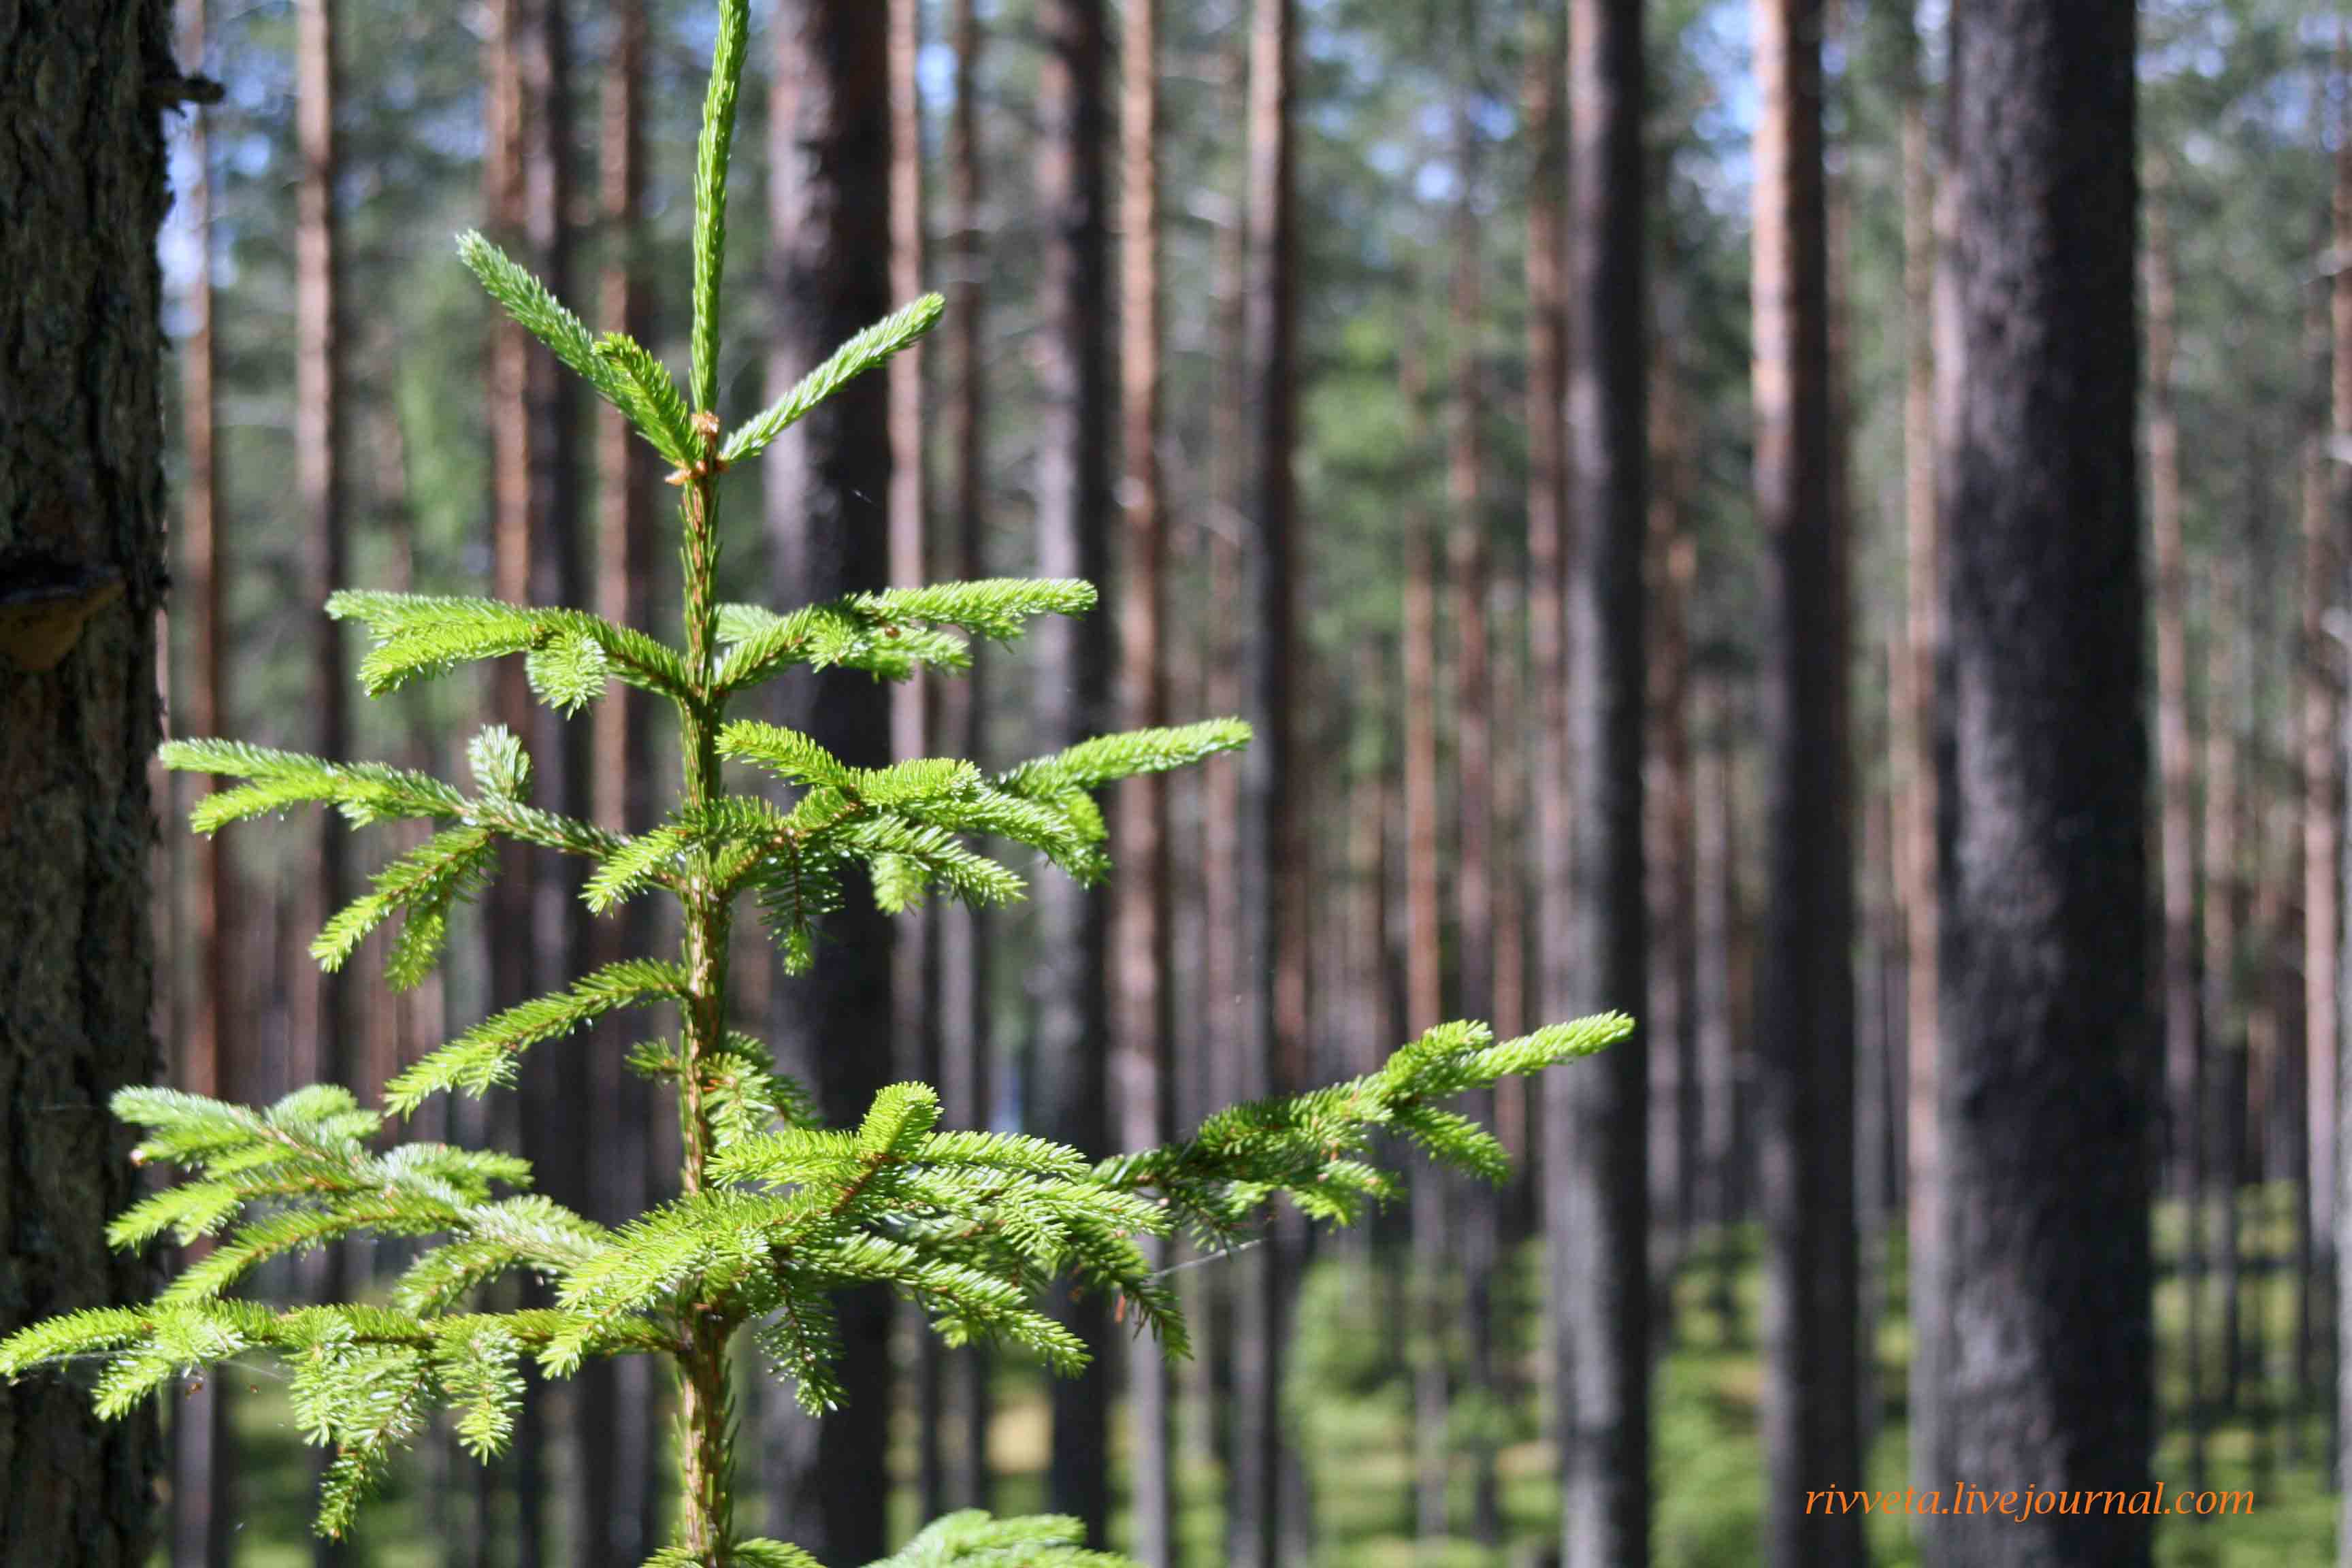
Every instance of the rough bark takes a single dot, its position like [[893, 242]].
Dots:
[[1142, 917], [1595, 1133], [2047, 1096], [2330, 1169], [1805, 994], [828, 255], [81, 512]]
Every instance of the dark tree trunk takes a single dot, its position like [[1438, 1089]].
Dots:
[[1068, 993], [1805, 992], [616, 1522], [1595, 1133], [320, 1043], [2047, 1087], [1715, 898], [2333, 1223], [1264, 1524], [1668, 562], [202, 1459], [1477, 1228], [81, 580], [1142, 917], [1423, 986], [828, 254], [2221, 1118], [960, 946]]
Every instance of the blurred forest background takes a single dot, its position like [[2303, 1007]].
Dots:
[[1258, 316]]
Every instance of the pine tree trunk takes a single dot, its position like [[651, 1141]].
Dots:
[[1068, 993], [2184, 1062], [1917, 827], [2045, 947], [1805, 994], [319, 1048], [1142, 917], [202, 1459], [2221, 1117], [1546, 499], [1595, 1134], [81, 580], [2328, 1098], [1714, 898], [1477, 1223], [508, 414], [617, 1472], [1424, 1001], [828, 254], [1668, 563], [1263, 1523], [958, 936]]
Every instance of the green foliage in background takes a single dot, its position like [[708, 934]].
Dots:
[[778, 1212]]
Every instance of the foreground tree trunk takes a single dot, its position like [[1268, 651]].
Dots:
[[1595, 1158], [81, 579], [828, 253], [1142, 917], [2046, 1114]]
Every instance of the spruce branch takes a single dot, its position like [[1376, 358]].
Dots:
[[867, 351]]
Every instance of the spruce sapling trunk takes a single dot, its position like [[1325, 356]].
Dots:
[[776, 1212]]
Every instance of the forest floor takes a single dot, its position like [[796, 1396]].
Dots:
[[1358, 1427]]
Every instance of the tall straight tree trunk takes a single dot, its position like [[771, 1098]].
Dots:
[[914, 1014], [617, 1472], [319, 1042], [2316, 841], [81, 584], [319, 1046], [1067, 985], [2221, 1119], [1477, 1229], [1668, 563], [2046, 1099], [958, 937], [555, 1125], [1595, 1133], [828, 257], [1541, 90], [1144, 916], [1805, 991], [1262, 1529], [2329, 1175], [2175, 762], [1715, 898], [2323, 783], [1918, 825], [1424, 972], [201, 1460]]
